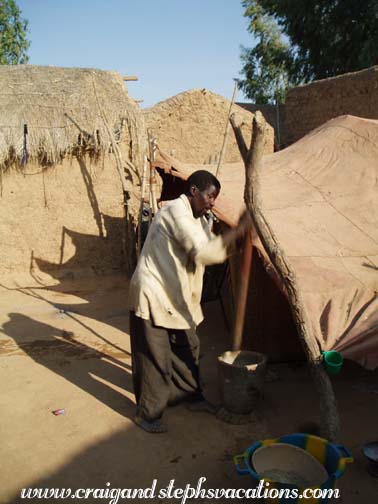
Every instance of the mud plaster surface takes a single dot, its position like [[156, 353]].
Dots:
[[191, 126]]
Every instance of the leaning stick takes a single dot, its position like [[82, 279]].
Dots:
[[223, 149], [128, 234], [116, 151], [143, 188], [151, 144], [252, 160]]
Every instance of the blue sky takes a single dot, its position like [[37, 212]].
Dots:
[[171, 45]]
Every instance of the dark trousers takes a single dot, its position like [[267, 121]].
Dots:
[[165, 366]]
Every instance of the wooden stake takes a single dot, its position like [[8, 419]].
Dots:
[[252, 160], [223, 149]]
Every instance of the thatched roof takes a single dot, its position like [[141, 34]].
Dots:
[[64, 109]]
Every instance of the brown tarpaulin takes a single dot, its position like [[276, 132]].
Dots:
[[320, 197]]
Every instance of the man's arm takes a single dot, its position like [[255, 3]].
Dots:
[[237, 232], [208, 251]]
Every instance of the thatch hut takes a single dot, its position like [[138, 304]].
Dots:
[[190, 126], [71, 149]]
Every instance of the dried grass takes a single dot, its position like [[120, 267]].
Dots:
[[65, 110]]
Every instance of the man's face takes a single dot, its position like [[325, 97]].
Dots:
[[203, 201]]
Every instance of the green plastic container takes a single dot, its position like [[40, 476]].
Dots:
[[333, 361]]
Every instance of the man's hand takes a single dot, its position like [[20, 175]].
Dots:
[[238, 232], [244, 224]]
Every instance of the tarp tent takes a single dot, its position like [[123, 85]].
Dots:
[[320, 198]]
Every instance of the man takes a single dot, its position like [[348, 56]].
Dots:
[[165, 294]]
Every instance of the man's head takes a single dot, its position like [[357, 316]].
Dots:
[[202, 190]]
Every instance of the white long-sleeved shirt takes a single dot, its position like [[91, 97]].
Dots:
[[166, 286]]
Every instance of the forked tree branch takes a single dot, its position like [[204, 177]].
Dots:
[[252, 158]]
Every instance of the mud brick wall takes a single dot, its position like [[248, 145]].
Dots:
[[311, 105], [62, 219], [274, 117], [190, 126]]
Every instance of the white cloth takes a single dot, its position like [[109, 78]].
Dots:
[[166, 286]]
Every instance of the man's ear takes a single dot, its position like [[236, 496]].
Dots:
[[193, 190]]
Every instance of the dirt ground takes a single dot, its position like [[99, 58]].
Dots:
[[65, 344]]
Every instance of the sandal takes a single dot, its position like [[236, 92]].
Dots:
[[155, 427]]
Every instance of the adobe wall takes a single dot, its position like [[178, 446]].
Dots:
[[66, 218], [273, 115], [311, 105], [191, 125]]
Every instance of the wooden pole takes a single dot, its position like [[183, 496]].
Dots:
[[153, 201], [278, 125], [241, 301], [140, 220], [128, 235], [252, 160], [221, 155]]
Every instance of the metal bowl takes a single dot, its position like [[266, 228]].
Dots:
[[370, 450]]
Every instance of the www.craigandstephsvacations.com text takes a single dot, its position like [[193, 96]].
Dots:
[[179, 493]]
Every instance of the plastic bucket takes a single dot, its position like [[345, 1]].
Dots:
[[286, 463], [241, 379], [317, 451], [333, 361]]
